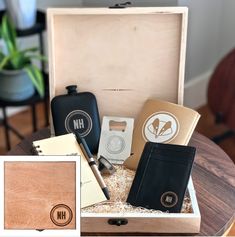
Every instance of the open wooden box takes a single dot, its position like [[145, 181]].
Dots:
[[124, 57]]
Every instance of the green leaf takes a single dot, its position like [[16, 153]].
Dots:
[[39, 75], [2, 56], [36, 77], [17, 60], [8, 33], [4, 62]]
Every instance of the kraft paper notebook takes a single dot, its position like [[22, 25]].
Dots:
[[161, 122], [67, 145]]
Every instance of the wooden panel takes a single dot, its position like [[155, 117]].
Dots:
[[141, 225], [33, 189], [123, 56]]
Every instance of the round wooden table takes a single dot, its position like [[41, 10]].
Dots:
[[213, 177]]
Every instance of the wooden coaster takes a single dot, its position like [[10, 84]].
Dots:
[[39, 195]]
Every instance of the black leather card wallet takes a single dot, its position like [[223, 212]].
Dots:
[[162, 177]]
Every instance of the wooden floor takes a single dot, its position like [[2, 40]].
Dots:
[[206, 126], [23, 123]]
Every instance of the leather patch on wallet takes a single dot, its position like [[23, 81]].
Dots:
[[162, 177]]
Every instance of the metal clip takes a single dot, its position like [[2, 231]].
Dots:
[[118, 222], [120, 5]]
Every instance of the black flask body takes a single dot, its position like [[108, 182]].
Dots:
[[77, 112]]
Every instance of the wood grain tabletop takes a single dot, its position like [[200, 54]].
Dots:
[[213, 176]]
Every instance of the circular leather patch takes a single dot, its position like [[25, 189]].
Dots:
[[169, 199]]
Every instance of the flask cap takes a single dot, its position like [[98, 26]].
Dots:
[[72, 89]]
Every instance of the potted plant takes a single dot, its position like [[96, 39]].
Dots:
[[19, 77]]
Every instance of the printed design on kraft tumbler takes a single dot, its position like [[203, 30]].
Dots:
[[78, 120], [160, 127]]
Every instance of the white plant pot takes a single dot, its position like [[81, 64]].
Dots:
[[22, 12], [15, 85]]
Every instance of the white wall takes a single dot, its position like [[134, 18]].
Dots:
[[106, 3], [204, 32], [227, 30], [211, 35], [43, 4]]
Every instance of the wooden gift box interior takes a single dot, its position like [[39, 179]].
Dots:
[[124, 57]]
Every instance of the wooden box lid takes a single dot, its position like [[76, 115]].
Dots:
[[123, 56]]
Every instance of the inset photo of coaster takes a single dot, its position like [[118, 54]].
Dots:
[[41, 196], [116, 139]]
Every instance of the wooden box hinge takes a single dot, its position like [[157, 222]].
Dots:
[[120, 5]]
